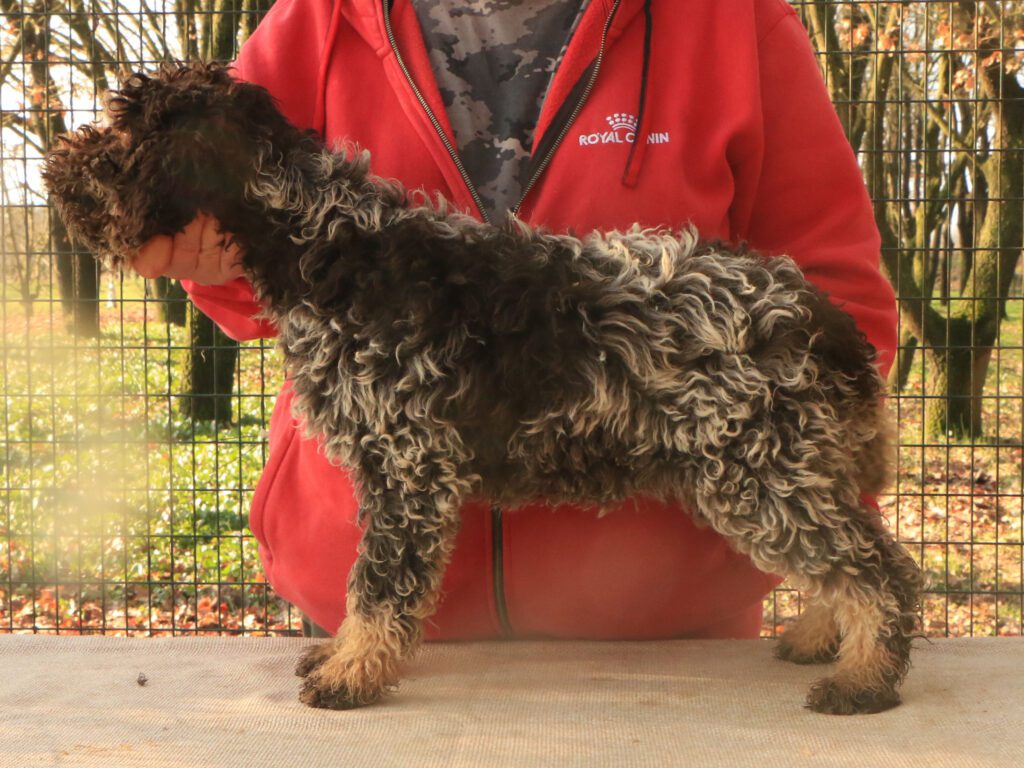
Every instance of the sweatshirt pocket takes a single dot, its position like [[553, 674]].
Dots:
[[281, 438]]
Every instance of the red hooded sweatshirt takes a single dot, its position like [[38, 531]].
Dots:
[[734, 131]]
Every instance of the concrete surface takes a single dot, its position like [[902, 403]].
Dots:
[[70, 701]]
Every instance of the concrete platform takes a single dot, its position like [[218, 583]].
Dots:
[[67, 701]]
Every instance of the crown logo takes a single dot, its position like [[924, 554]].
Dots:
[[622, 120]]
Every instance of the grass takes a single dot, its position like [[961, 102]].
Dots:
[[119, 515]]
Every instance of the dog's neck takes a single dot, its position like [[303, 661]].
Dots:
[[300, 203]]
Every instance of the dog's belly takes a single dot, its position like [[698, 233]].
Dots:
[[569, 468]]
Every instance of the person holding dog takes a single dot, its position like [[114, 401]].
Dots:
[[573, 115]]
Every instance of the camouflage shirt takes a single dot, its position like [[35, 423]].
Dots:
[[493, 61]]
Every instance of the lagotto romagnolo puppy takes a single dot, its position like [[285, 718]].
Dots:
[[439, 358]]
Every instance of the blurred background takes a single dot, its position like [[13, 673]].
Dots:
[[132, 431]]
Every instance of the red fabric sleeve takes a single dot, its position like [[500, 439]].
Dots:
[[284, 56], [807, 198], [233, 307]]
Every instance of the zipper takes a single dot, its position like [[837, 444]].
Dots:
[[497, 525], [498, 561], [430, 113], [572, 117]]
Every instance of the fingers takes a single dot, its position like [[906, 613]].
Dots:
[[153, 257], [195, 252], [231, 261], [203, 252], [198, 253]]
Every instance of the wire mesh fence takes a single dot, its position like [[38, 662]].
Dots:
[[132, 432]]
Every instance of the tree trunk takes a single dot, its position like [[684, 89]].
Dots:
[[212, 354], [955, 384], [989, 146], [253, 12], [974, 318], [77, 273], [173, 301], [961, 355], [225, 28], [900, 372], [78, 276], [210, 371]]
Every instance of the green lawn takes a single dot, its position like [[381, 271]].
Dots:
[[117, 511]]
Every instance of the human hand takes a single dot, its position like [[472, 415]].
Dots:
[[197, 253]]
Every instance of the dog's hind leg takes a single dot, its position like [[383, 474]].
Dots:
[[410, 510], [875, 597], [796, 521], [813, 638]]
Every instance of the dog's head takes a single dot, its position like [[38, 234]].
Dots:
[[175, 142]]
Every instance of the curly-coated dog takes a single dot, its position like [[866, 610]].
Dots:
[[439, 358]]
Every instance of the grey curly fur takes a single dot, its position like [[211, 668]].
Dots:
[[439, 358]]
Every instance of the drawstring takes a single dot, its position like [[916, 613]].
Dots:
[[639, 147]]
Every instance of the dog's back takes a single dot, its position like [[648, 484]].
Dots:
[[582, 369]]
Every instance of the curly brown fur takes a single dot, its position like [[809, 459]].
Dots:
[[439, 358]]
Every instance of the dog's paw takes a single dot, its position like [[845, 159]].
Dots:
[[315, 694], [831, 697], [821, 655], [312, 658], [322, 692]]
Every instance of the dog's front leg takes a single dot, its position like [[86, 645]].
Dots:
[[410, 523]]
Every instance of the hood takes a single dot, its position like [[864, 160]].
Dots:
[[605, 19]]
